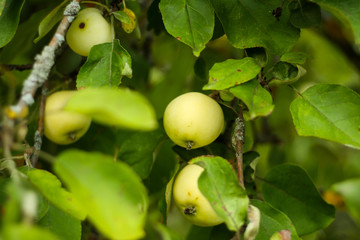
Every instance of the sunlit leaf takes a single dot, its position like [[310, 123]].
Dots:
[[289, 189], [122, 16], [51, 20], [9, 20], [191, 21], [115, 107], [330, 112], [349, 189], [294, 57], [232, 72], [50, 187], [106, 65], [112, 194], [257, 99], [28, 232], [250, 24], [220, 186]]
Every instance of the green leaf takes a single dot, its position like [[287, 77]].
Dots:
[[138, 151], [328, 111], [51, 20], [257, 99], [259, 54], [349, 189], [220, 186], [50, 187], [62, 224], [249, 23], [232, 72], [189, 21], [272, 221], [286, 73], [304, 14], [28, 232], [289, 189], [294, 57], [106, 64], [122, 17], [2, 5], [115, 107], [9, 20], [110, 191], [346, 11]]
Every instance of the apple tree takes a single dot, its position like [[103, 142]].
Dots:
[[179, 119]]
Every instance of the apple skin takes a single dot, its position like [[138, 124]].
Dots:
[[193, 120], [88, 29], [192, 203], [61, 126]]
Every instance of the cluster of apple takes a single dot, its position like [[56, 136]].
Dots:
[[191, 120]]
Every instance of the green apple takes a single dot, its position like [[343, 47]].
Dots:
[[193, 120], [192, 203], [61, 126], [88, 29]]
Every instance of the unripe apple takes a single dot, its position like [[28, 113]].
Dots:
[[61, 126], [193, 120], [88, 29], [192, 203]]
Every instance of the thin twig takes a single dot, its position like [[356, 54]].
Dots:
[[40, 131], [18, 67], [238, 142]]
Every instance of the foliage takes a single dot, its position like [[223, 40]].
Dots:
[[288, 69]]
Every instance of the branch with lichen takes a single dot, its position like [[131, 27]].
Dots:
[[237, 143], [39, 74], [46, 59]]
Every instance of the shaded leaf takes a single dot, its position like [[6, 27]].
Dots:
[[286, 73], [347, 11], [259, 54], [110, 191], [257, 99], [9, 20], [220, 186], [114, 107], [190, 21], [272, 221], [62, 224], [232, 72], [328, 111], [51, 20], [106, 64], [349, 189], [250, 24], [305, 14], [138, 151], [289, 189], [50, 187]]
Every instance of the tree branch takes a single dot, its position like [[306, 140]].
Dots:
[[237, 143], [39, 74]]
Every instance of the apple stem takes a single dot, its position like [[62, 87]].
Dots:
[[189, 145], [190, 211]]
